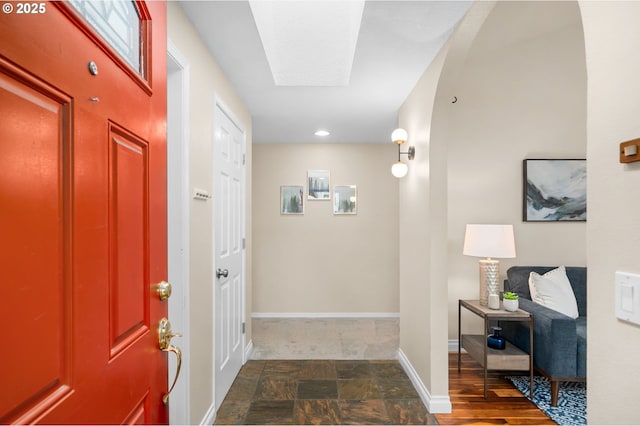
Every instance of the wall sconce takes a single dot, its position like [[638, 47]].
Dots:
[[400, 169]]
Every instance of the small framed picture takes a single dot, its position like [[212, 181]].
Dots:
[[554, 190], [345, 199], [292, 199], [319, 184]]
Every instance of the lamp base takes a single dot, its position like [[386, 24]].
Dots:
[[489, 274]]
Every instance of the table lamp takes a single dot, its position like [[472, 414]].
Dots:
[[489, 241]]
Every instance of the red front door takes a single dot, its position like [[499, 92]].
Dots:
[[82, 219]]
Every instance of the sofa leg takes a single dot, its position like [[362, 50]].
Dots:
[[555, 389]]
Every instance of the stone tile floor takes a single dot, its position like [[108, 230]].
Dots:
[[322, 392], [325, 338]]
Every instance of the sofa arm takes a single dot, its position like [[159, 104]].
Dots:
[[554, 339]]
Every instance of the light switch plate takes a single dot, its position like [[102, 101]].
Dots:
[[628, 297]]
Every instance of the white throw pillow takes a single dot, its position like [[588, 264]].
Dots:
[[554, 291]]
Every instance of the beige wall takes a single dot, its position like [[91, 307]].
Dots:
[[417, 263], [423, 217], [611, 32], [206, 82], [519, 82], [521, 94], [319, 262], [613, 229]]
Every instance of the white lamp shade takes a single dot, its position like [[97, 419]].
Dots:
[[489, 241], [399, 135], [399, 169]]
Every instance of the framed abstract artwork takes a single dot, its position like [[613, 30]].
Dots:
[[345, 199], [319, 185], [292, 199], [554, 190]]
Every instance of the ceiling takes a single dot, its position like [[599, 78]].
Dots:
[[396, 43]]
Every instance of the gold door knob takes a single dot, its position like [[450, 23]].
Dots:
[[164, 340], [164, 290]]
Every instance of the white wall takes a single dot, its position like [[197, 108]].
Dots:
[[206, 81], [613, 229], [521, 94], [320, 262]]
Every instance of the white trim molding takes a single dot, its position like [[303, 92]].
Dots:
[[435, 403], [453, 346], [210, 417], [178, 196], [259, 315], [248, 351]]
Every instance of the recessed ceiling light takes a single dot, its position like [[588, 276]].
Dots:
[[321, 133]]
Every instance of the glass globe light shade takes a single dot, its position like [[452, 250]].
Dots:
[[399, 169], [399, 136]]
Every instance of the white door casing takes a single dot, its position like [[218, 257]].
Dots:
[[229, 275], [178, 223]]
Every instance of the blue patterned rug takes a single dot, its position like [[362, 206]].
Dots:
[[572, 400]]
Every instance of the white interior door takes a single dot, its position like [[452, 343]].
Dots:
[[229, 275]]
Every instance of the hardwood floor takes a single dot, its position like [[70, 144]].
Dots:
[[504, 405]]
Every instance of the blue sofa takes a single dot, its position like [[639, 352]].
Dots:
[[559, 342]]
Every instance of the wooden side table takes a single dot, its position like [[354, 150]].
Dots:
[[511, 358]]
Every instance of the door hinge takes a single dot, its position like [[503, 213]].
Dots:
[[244, 327], [244, 243], [244, 159]]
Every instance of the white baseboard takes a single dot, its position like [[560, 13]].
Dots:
[[434, 403], [210, 417], [248, 351], [453, 346], [325, 315], [439, 405]]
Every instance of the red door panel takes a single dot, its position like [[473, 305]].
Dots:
[[128, 189], [34, 227], [82, 222]]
